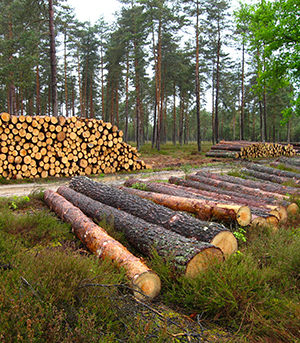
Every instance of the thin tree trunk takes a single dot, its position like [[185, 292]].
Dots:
[[66, 78], [174, 114], [217, 87], [126, 99], [38, 97], [53, 61], [198, 82], [242, 99]]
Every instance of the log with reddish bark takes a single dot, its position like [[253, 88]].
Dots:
[[273, 171], [103, 246], [184, 224], [204, 209], [187, 255], [267, 205]]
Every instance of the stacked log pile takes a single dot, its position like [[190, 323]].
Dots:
[[42, 146], [244, 149]]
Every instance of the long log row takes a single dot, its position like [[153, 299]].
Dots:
[[268, 205], [187, 255], [295, 161], [270, 196], [286, 164], [103, 246], [244, 149], [42, 146], [249, 205], [183, 224], [273, 171], [266, 186], [203, 209], [250, 173]]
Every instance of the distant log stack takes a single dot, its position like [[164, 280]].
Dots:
[[42, 146], [244, 149]]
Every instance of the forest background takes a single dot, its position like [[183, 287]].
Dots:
[[162, 71]]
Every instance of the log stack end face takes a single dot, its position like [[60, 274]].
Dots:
[[41, 146]]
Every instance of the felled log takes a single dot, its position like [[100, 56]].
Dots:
[[266, 205], [188, 256], [103, 246], [293, 161], [266, 186], [183, 224], [268, 177], [238, 188], [273, 171], [222, 154], [204, 209], [277, 164]]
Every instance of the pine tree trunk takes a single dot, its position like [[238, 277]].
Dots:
[[53, 61]]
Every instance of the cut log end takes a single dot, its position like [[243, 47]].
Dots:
[[243, 216], [258, 222], [202, 260], [293, 208], [148, 284], [226, 241]]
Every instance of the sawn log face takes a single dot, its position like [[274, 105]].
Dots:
[[144, 236]]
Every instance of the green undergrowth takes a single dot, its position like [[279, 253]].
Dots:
[[53, 290]]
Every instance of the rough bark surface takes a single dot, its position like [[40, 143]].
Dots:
[[273, 179], [266, 186], [183, 224], [204, 209], [238, 188], [102, 245], [255, 203], [273, 171], [186, 254]]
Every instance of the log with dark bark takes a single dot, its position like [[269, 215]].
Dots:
[[266, 186], [238, 188], [184, 224], [295, 161], [287, 165], [270, 177], [103, 246], [222, 154], [204, 209], [273, 171], [187, 255]]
